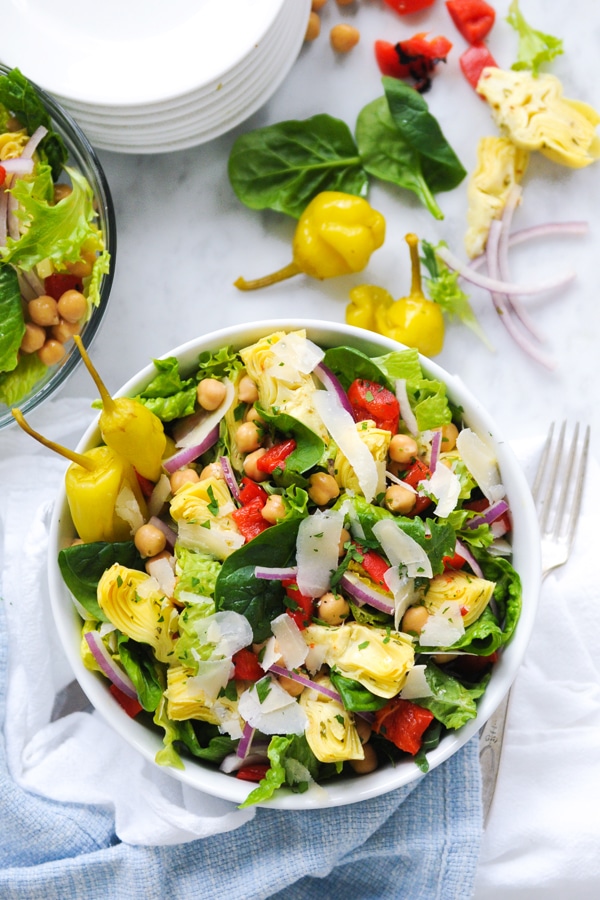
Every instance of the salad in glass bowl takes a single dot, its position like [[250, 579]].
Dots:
[[57, 243], [316, 576]]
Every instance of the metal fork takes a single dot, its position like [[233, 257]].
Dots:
[[557, 491]]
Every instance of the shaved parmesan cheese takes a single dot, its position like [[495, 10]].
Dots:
[[229, 722], [315, 657], [317, 551], [444, 628], [159, 496], [128, 509], [481, 463], [290, 642], [406, 413], [293, 354], [444, 485], [270, 654], [416, 684], [228, 630], [207, 421], [403, 589], [278, 713], [162, 570], [219, 542], [402, 550], [342, 428], [213, 675]]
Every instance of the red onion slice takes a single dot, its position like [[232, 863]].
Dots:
[[275, 573], [243, 747], [549, 229], [32, 144], [230, 478], [494, 284], [362, 594], [435, 450], [233, 762], [490, 515], [166, 530], [18, 166], [303, 679], [189, 454], [468, 557], [110, 668], [331, 383]]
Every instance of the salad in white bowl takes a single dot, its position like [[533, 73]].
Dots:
[[317, 576]]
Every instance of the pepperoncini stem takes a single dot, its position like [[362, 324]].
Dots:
[[416, 287], [78, 458], [281, 275], [107, 401]]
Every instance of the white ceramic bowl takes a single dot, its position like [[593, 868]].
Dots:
[[526, 560]]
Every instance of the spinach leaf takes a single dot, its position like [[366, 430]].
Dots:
[[19, 96], [309, 446], [12, 323], [259, 600], [441, 167], [355, 696], [138, 662], [283, 166], [82, 566], [346, 363], [452, 703], [386, 155]]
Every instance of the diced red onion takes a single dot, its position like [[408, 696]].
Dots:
[[275, 573], [493, 284], [110, 668], [489, 515], [361, 593], [166, 530], [32, 144], [435, 450], [246, 739], [331, 383], [230, 478], [468, 557], [189, 454]]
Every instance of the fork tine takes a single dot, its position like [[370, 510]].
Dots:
[[542, 464], [566, 484], [579, 488], [547, 498]]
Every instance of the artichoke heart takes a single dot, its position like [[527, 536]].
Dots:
[[533, 113], [12, 144], [280, 365], [377, 658], [187, 697], [472, 593], [378, 442], [500, 166], [135, 604], [203, 513], [331, 732]]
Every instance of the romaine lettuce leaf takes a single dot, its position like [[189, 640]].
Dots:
[[12, 323], [452, 703], [535, 48], [168, 395]]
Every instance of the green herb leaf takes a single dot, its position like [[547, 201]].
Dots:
[[283, 166], [535, 48]]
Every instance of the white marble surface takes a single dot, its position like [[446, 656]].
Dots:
[[183, 237]]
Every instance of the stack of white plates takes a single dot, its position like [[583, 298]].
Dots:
[[145, 76]]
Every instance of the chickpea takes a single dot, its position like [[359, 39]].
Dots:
[[344, 538], [182, 477], [449, 434], [332, 608], [399, 500], [364, 729], [211, 393], [414, 619], [443, 658], [274, 509], [43, 310], [368, 764], [34, 338], [248, 437], [212, 470], [313, 29], [52, 352], [293, 688], [403, 448], [64, 331], [247, 390], [81, 267], [149, 540], [317, 5], [322, 488], [61, 191], [250, 467], [253, 415], [343, 38], [72, 306], [344, 2]]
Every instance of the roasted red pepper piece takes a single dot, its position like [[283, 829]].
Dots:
[[145, 484], [483, 504], [131, 705], [301, 607], [415, 58], [56, 284], [246, 666], [370, 400], [474, 19], [255, 772], [2, 175], [403, 723], [275, 457], [474, 60], [415, 473], [249, 519], [375, 566], [250, 490], [405, 7], [453, 562]]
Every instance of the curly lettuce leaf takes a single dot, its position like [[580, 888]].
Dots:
[[452, 703], [535, 48], [292, 763], [168, 395]]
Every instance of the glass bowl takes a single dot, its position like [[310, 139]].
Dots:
[[83, 158]]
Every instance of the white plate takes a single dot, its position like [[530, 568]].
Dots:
[[133, 52]]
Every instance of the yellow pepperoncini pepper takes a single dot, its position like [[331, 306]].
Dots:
[[93, 483], [413, 320], [336, 235], [129, 427]]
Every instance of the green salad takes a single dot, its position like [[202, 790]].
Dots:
[[52, 253], [316, 580]]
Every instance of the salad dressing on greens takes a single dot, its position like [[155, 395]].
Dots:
[[276, 615]]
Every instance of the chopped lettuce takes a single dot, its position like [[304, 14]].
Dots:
[[197, 572], [168, 395], [535, 48], [452, 703], [292, 763]]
